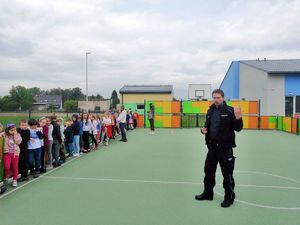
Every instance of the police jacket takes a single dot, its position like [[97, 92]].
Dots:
[[227, 126]]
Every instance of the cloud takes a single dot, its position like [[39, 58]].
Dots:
[[43, 43]]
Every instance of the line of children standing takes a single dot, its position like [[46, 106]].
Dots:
[[38, 145]]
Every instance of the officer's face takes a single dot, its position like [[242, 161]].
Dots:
[[218, 99]]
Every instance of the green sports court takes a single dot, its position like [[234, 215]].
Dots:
[[153, 180]]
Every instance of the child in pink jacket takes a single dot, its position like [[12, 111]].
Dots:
[[11, 151]]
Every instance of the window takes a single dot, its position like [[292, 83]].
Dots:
[[140, 106], [289, 106], [297, 104]]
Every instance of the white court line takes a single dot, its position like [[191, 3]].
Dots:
[[35, 179], [189, 183], [120, 180], [269, 174], [260, 205], [163, 182]]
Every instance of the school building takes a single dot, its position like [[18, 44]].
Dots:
[[139, 93], [134, 96], [276, 83]]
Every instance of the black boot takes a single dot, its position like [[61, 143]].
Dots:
[[204, 196], [228, 201]]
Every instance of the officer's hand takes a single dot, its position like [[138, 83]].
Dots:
[[204, 130], [237, 113]]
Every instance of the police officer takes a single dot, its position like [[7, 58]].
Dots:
[[221, 123]]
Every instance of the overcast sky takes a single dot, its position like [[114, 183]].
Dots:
[[43, 43]]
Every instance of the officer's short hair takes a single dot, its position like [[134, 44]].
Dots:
[[218, 91]]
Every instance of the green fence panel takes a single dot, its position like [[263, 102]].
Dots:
[[272, 119], [280, 123], [187, 107], [228, 102], [157, 109], [189, 121], [133, 107], [157, 124]]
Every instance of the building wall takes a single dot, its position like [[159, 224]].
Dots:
[[139, 98], [39, 107], [43, 107], [256, 84], [90, 105], [231, 82], [275, 95]]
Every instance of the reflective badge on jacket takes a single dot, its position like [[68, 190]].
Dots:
[[225, 115]]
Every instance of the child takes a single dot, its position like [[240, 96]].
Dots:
[[98, 128], [45, 142], [76, 132], [57, 141], [23, 157], [3, 187], [94, 129], [62, 151], [11, 153], [117, 124], [106, 128], [34, 147], [113, 125], [69, 137], [130, 121], [80, 120], [135, 118], [151, 116], [87, 131], [50, 143]]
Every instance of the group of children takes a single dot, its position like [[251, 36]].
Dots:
[[39, 145]]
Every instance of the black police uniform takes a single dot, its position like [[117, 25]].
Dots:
[[221, 125]]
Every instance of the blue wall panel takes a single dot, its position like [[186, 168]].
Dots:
[[231, 82], [292, 84]]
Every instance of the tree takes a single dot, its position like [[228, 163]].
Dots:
[[97, 97], [77, 94], [71, 105], [7, 104], [21, 96], [67, 94], [115, 99], [36, 91], [51, 107]]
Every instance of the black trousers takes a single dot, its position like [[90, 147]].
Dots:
[[43, 152], [223, 156], [123, 132], [93, 138], [62, 152], [151, 124], [135, 123], [85, 140], [23, 162]]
